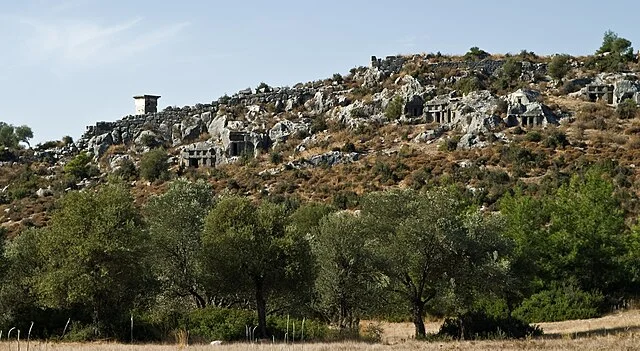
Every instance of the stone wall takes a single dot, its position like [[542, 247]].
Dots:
[[393, 64]]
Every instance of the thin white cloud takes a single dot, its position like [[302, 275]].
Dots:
[[81, 42]]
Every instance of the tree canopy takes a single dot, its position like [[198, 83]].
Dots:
[[11, 136]]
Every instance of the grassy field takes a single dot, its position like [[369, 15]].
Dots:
[[619, 331], [612, 342]]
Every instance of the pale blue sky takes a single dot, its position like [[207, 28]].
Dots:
[[68, 64]]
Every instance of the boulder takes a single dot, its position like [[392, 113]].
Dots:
[[217, 126], [190, 128], [283, 129], [429, 135]]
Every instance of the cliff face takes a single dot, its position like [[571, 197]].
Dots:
[[268, 116]]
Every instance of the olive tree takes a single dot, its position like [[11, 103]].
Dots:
[[433, 246], [93, 257], [248, 247], [347, 278], [175, 221]]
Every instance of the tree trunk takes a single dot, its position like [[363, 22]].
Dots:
[[261, 306], [418, 322], [200, 301]]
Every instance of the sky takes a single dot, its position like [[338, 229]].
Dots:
[[70, 63]]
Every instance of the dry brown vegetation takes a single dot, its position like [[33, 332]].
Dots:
[[611, 342], [617, 331]]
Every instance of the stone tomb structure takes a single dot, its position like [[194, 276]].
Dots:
[[600, 92], [146, 104], [198, 155], [525, 110], [415, 107], [441, 110]]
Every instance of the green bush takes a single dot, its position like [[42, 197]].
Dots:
[[478, 325], [220, 324], [80, 167], [127, 170], [276, 157], [345, 199], [559, 66], [476, 54], [627, 109], [450, 144], [556, 139], [394, 108], [534, 136], [230, 325], [153, 165], [558, 304], [469, 84]]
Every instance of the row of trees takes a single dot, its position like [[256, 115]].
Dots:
[[403, 254]]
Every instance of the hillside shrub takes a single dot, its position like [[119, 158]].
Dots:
[[556, 139], [534, 136], [479, 325], [559, 67], [451, 144], [469, 84], [275, 157], [558, 304], [153, 165], [127, 170], [80, 167], [627, 109], [476, 54], [394, 108]]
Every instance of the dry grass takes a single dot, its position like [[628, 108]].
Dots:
[[614, 332], [625, 322], [620, 342]]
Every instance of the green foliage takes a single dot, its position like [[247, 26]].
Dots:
[[433, 246], [559, 66], [534, 136], [67, 140], [509, 75], [81, 167], [556, 139], [264, 87], [469, 84], [175, 221], [478, 325], [347, 277], [612, 43], [476, 54], [127, 170], [585, 234], [275, 157], [450, 144], [11, 136], [92, 257], [560, 303], [220, 324], [248, 246], [345, 199], [627, 109], [153, 165], [394, 108], [613, 55], [25, 184]]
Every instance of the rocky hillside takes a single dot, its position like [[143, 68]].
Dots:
[[487, 123]]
